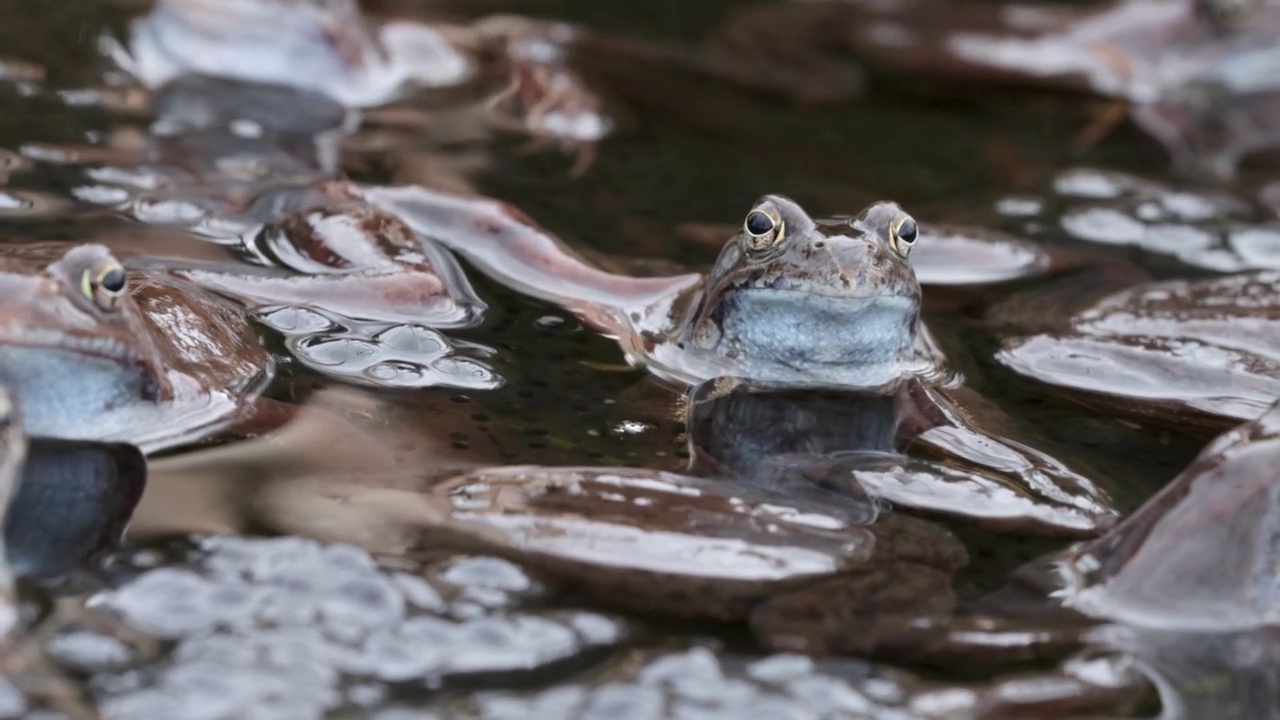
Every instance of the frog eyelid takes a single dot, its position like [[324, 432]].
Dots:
[[86, 283]]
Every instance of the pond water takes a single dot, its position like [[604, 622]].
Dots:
[[245, 588]]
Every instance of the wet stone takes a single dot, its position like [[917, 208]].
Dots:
[[289, 628]]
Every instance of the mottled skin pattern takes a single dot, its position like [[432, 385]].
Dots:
[[832, 297]]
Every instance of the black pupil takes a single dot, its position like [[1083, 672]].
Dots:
[[907, 231], [112, 280], [758, 223]]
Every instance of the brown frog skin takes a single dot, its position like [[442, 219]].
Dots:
[[1183, 586], [94, 351], [1192, 356], [792, 303], [1198, 75], [327, 249]]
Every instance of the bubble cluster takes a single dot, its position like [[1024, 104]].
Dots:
[[289, 628]]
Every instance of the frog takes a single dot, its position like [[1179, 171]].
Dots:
[[517, 65], [946, 255], [1192, 74], [321, 247], [63, 502], [1190, 356], [13, 456], [1157, 579], [766, 316], [95, 350], [347, 58], [1151, 594], [355, 294]]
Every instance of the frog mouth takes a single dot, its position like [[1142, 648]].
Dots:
[[102, 348], [799, 294]]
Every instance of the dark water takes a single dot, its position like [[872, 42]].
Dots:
[[205, 637]]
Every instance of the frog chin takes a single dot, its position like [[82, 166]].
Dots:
[[794, 338], [66, 391]]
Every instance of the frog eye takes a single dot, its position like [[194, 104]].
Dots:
[[105, 284], [763, 228], [902, 234]]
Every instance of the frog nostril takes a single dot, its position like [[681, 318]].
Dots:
[[819, 244]]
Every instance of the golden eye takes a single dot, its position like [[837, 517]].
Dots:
[[902, 234], [105, 284], [763, 229]]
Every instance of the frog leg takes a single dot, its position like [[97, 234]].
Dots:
[[394, 294], [1050, 497], [1115, 111], [1102, 125], [1208, 138], [211, 489], [504, 243]]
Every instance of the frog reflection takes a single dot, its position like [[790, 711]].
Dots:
[[845, 450], [65, 502], [74, 500]]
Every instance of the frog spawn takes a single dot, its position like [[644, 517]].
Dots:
[[1208, 229], [378, 354], [362, 297], [290, 628]]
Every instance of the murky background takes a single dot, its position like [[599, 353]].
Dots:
[[210, 612]]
